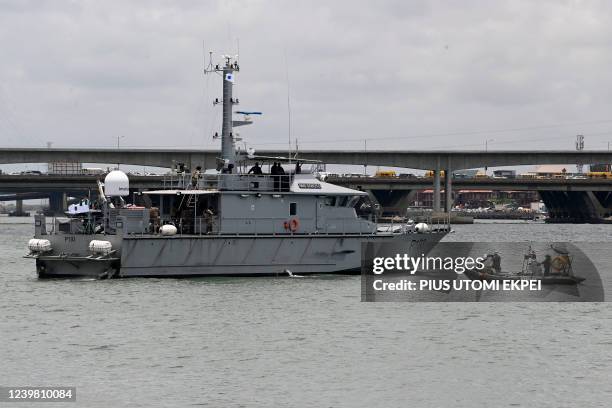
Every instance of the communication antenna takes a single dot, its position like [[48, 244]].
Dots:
[[579, 147]]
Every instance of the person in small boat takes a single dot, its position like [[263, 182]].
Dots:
[[546, 263], [488, 263], [534, 268], [497, 263], [561, 265]]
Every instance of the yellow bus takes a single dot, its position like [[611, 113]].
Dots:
[[386, 173], [599, 174], [430, 173]]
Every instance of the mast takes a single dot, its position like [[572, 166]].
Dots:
[[228, 152]]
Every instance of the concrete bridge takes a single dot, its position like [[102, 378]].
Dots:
[[567, 200], [578, 200], [433, 160], [427, 160], [514, 184]]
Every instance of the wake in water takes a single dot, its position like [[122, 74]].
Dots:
[[291, 275]]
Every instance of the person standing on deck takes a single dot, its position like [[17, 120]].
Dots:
[[255, 169], [196, 176]]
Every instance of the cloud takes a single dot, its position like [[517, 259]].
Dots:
[[81, 73]]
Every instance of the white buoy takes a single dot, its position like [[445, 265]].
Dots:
[[168, 229], [422, 227]]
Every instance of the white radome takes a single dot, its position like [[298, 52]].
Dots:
[[116, 183]]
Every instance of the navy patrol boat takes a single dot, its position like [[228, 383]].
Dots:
[[234, 222]]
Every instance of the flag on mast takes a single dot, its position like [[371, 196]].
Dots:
[[229, 77]]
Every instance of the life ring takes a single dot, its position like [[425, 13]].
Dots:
[[294, 224]]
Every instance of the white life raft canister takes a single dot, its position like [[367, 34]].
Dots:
[[100, 247], [39, 245]]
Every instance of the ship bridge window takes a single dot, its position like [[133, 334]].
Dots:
[[343, 201], [292, 208], [354, 200], [330, 201]]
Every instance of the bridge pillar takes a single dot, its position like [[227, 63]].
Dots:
[[58, 202], [448, 188], [436, 187], [18, 207]]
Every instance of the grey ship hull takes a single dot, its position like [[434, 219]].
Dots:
[[243, 255]]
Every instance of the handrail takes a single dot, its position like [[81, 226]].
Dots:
[[237, 182]]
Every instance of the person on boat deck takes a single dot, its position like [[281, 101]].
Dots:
[[277, 169], [255, 169], [298, 168], [228, 170], [197, 174], [209, 219]]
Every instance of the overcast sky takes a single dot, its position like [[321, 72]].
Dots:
[[402, 74]]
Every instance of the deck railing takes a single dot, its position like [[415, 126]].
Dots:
[[240, 182]]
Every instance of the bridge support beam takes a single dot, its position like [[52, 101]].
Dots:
[[573, 207], [393, 201], [19, 207], [448, 188], [58, 202], [436, 187]]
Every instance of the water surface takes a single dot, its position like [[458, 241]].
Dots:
[[300, 341]]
